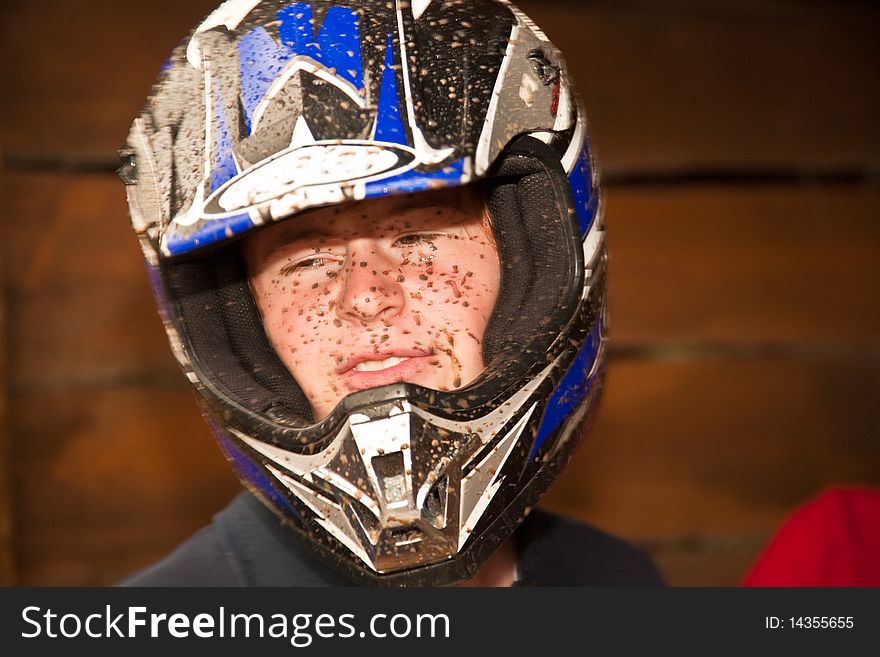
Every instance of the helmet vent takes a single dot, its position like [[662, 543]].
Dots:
[[392, 479], [368, 522], [434, 510]]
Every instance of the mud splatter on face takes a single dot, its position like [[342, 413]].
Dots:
[[372, 292]]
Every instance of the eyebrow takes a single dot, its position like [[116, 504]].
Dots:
[[291, 234], [420, 202]]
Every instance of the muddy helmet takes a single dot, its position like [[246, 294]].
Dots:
[[270, 109]]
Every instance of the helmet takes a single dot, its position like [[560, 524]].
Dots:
[[270, 109]]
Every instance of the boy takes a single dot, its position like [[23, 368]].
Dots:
[[376, 239]]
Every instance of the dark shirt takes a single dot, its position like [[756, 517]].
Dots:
[[246, 545]]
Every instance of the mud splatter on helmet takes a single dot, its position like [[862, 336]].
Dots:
[[271, 108]]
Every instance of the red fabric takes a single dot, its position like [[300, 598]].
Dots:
[[832, 540]]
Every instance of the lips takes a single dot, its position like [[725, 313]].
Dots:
[[370, 370]]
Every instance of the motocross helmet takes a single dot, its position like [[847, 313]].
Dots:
[[270, 109]]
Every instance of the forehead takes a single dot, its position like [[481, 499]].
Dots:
[[375, 217]]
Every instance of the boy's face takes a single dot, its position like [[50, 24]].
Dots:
[[374, 292]]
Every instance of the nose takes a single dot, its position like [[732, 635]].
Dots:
[[369, 288]]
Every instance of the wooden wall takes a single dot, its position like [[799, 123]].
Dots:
[[740, 145]]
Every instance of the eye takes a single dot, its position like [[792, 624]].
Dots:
[[415, 239], [307, 264]]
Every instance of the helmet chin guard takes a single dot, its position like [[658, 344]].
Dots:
[[405, 487], [271, 108]]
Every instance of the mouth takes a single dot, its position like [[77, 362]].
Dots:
[[378, 365], [374, 370]]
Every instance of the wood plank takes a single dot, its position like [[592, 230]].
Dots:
[[97, 335], [724, 85], [57, 225], [80, 304], [83, 69], [110, 480], [702, 460], [7, 568], [744, 264], [668, 85]]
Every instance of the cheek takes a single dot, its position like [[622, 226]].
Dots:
[[463, 271], [468, 289], [297, 319], [456, 310]]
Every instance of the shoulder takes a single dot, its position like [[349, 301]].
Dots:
[[559, 551], [246, 545], [199, 561]]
